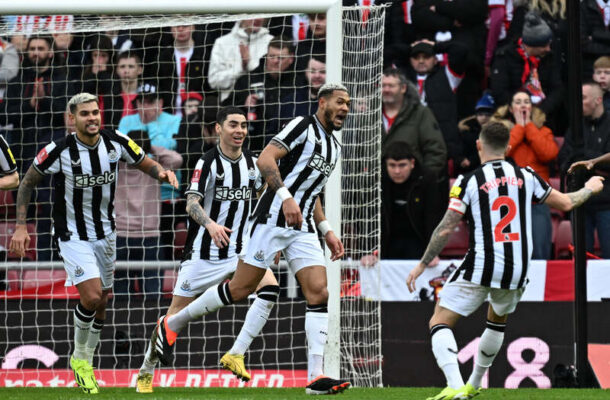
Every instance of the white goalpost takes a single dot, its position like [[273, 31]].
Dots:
[[36, 318]]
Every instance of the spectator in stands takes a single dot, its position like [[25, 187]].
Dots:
[[531, 145], [405, 119], [461, 21], [120, 38], [162, 129], [410, 206], [138, 211], [36, 101], [499, 20], [178, 68], [314, 43], [128, 70], [304, 100], [237, 53], [261, 90], [469, 131], [437, 86], [594, 31], [601, 75], [596, 139], [528, 64], [9, 68], [97, 76]]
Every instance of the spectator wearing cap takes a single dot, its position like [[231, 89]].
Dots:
[[528, 64], [405, 119], [601, 75], [531, 145], [470, 128], [237, 53], [162, 128], [437, 86]]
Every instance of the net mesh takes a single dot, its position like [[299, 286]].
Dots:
[[36, 337]]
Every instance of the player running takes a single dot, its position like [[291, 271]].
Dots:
[[284, 220], [496, 199], [85, 165], [218, 203]]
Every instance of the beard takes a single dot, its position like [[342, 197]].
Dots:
[[328, 117]]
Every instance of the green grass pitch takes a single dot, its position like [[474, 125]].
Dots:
[[264, 394]]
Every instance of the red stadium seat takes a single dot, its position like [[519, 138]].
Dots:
[[563, 240], [7, 204], [13, 280], [6, 233], [458, 242], [43, 277], [180, 232], [169, 280], [555, 183], [559, 141]]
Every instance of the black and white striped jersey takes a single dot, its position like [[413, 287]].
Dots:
[[227, 188], [312, 156], [7, 161], [85, 182], [497, 201]]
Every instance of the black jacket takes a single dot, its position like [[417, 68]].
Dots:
[[423, 208], [506, 73], [596, 142], [594, 34]]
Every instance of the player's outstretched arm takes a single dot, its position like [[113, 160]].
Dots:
[[267, 165], [218, 233], [439, 239], [10, 181], [332, 241], [21, 240], [155, 170], [569, 201]]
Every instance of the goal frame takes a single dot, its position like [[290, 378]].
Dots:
[[334, 49]]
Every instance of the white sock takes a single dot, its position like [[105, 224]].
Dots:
[[316, 330], [445, 351], [210, 301], [489, 345], [83, 319], [256, 318], [150, 361], [94, 338]]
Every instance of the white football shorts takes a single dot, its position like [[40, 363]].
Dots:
[[196, 276], [84, 260], [301, 249], [464, 297]]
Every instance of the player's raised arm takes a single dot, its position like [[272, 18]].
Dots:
[[590, 164], [568, 201], [332, 241], [21, 240], [267, 165], [438, 241], [155, 170]]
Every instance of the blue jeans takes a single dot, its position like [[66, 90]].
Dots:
[[599, 220], [542, 232], [137, 249]]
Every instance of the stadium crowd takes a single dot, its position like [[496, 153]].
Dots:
[[450, 67]]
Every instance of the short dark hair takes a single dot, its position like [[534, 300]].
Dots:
[[398, 151], [319, 58], [46, 38], [129, 54], [495, 136], [141, 138], [281, 42], [224, 112], [396, 73]]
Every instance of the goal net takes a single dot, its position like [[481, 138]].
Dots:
[[190, 66]]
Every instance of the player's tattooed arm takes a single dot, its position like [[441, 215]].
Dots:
[[272, 177], [194, 209], [441, 235], [31, 179], [579, 197], [267, 164]]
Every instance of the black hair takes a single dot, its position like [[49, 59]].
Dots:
[[495, 136], [281, 42], [398, 151], [224, 112]]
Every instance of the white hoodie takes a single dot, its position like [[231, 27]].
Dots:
[[225, 61]]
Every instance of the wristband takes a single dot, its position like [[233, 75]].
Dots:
[[324, 227], [283, 193]]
